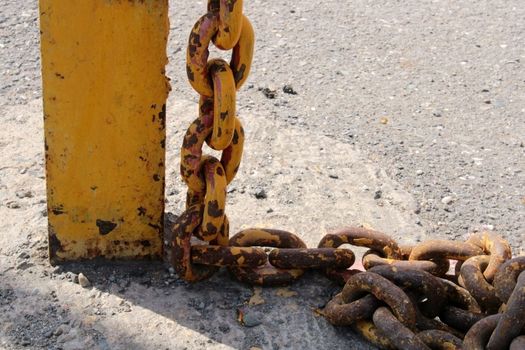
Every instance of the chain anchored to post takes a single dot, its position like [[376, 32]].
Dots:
[[406, 299]]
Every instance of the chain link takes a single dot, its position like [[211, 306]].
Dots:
[[407, 297]]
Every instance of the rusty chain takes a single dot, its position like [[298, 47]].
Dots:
[[405, 299]]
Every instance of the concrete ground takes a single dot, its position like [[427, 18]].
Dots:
[[409, 118]]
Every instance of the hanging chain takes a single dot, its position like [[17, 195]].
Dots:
[[406, 299]]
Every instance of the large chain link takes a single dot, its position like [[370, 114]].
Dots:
[[407, 297]]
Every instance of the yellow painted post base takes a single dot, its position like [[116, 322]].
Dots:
[[103, 64]]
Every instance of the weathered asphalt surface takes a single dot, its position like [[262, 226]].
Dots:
[[429, 91]]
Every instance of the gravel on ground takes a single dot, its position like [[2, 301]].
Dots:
[[426, 95]]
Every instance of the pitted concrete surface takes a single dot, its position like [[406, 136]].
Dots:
[[408, 118]]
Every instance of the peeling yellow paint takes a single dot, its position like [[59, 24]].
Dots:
[[105, 91]]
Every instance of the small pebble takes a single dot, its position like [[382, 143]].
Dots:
[[23, 255], [288, 89], [447, 200], [63, 328], [419, 172], [268, 93], [24, 265], [24, 194], [251, 319], [13, 205], [260, 193], [83, 281]]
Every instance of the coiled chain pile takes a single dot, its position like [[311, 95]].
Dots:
[[406, 299]]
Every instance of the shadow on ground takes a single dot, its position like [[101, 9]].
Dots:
[[144, 305]]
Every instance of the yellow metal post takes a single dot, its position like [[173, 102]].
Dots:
[[104, 88]]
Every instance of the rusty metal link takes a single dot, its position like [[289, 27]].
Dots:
[[461, 310], [507, 276], [473, 279], [494, 245], [339, 313], [440, 340], [214, 199], [397, 333], [460, 297], [204, 30], [223, 234], [230, 22], [183, 230], [437, 268], [426, 324], [311, 258], [512, 321], [425, 291], [421, 283], [458, 318], [197, 262], [439, 249], [224, 94], [234, 31], [217, 255], [242, 54], [429, 323], [198, 52], [362, 237], [368, 282], [340, 276], [231, 156], [191, 150], [479, 334], [369, 331], [518, 343], [267, 274]]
